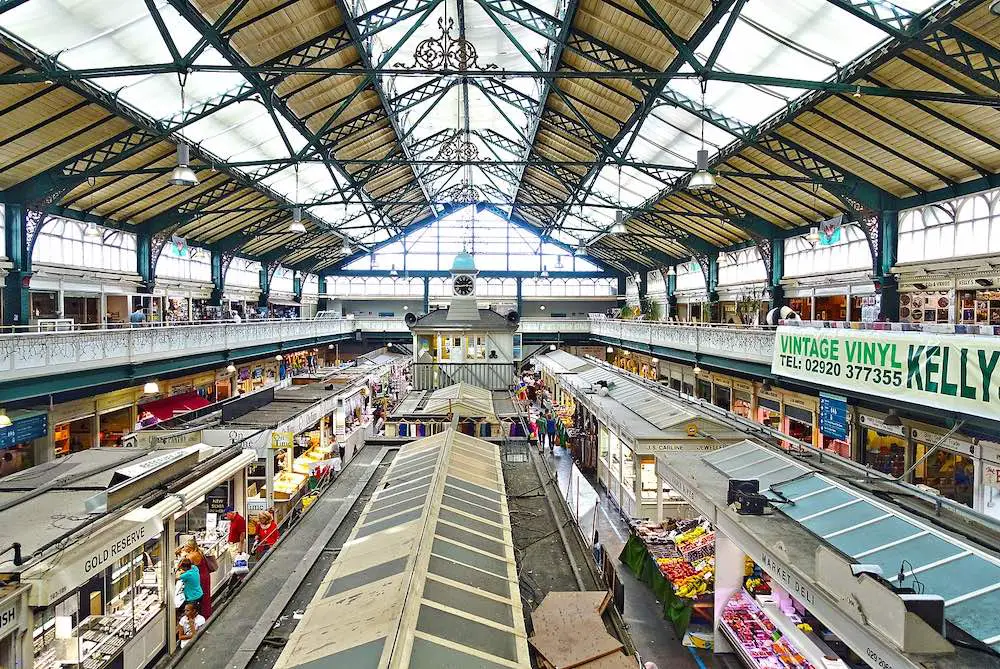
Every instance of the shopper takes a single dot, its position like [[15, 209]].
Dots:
[[189, 624], [187, 574], [192, 551], [550, 431], [267, 533], [237, 529], [137, 317], [533, 433]]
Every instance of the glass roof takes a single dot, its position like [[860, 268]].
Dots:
[[802, 39], [429, 565]]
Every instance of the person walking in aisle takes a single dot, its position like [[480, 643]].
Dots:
[[550, 431], [267, 533]]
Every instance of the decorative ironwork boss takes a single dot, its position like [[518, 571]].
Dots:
[[446, 52]]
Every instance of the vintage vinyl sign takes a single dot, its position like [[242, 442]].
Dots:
[[954, 372]]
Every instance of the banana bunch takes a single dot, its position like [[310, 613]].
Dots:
[[805, 627], [689, 536], [747, 566], [753, 583], [691, 587]]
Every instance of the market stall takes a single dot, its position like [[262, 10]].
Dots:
[[676, 559], [789, 593], [99, 582]]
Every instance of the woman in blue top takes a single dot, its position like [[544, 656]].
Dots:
[[187, 573], [550, 431]]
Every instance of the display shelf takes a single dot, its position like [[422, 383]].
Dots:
[[800, 639], [758, 640]]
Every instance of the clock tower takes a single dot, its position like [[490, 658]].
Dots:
[[464, 305]]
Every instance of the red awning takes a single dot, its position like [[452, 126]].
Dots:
[[168, 407]]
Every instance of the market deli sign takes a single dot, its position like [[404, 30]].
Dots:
[[954, 372]]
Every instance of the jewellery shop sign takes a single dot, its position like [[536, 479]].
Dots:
[[67, 570], [953, 372]]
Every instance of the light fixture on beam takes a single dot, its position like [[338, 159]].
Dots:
[[151, 388], [393, 272], [581, 250], [672, 271], [545, 272], [702, 179], [346, 248], [619, 225], [813, 235], [231, 368], [5, 420], [92, 230], [297, 225], [183, 175]]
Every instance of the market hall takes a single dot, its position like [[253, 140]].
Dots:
[[651, 333]]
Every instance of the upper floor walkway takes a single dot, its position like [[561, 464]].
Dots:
[[952, 368]]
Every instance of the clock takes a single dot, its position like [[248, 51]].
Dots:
[[463, 285]]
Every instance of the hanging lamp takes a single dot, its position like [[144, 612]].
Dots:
[[702, 179], [619, 226], [297, 226], [183, 175], [92, 230]]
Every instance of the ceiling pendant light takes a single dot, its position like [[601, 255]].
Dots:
[[619, 226], [92, 230], [611, 349], [231, 368], [346, 248], [581, 250], [672, 271], [559, 264], [393, 272], [813, 235], [297, 226], [545, 271], [182, 174], [151, 388], [5, 420], [702, 179]]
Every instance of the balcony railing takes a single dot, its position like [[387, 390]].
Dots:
[[743, 343], [29, 354]]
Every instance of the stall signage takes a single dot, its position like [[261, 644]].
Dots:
[[24, 429], [256, 505], [282, 440], [792, 584], [955, 372], [10, 614], [53, 579], [833, 416], [216, 504]]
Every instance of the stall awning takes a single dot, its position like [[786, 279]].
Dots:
[[168, 407]]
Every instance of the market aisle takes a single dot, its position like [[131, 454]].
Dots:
[[652, 636], [234, 633]]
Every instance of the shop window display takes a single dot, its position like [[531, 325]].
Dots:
[[885, 452], [769, 412], [951, 474], [742, 404], [831, 308], [931, 307], [704, 390], [91, 626], [990, 489], [647, 478], [798, 424], [723, 397]]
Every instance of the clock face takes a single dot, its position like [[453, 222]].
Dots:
[[463, 285]]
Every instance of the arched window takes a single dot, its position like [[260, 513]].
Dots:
[[65, 242]]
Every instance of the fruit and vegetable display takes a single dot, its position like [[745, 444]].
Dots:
[[760, 640], [684, 551]]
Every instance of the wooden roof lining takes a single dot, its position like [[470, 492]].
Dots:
[[981, 22], [752, 160]]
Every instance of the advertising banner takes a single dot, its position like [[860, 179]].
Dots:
[[952, 372]]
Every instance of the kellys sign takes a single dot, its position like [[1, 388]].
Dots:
[[953, 372]]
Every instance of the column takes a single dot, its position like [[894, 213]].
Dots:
[[265, 286], [659, 499], [16, 302], [728, 580], [144, 259], [218, 279], [671, 294], [324, 301], [427, 295], [713, 288], [167, 548], [520, 295], [777, 291], [887, 282]]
